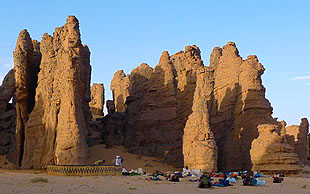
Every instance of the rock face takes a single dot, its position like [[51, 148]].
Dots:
[[61, 104], [299, 139], [97, 99], [271, 151], [110, 106], [7, 90], [7, 120], [199, 146], [120, 90], [23, 67], [157, 103], [238, 105]]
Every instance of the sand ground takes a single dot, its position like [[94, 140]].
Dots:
[[21, 182], [131, 161]]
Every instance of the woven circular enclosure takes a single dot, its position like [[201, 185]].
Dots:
[[84, 170]]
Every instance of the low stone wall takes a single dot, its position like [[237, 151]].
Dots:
[[83, 170]]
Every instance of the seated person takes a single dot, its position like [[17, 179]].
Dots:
[[175, 178], [205, 181], [99, 162]]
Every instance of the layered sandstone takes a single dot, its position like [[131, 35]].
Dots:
[[61, 101], [299, 139], [97, 99], [199, 146], [271, 151]]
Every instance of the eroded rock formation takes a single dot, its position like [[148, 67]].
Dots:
[[23, 67], [271, 151], [7, 120], [214, 113], [7, 90], [238, 105], [97, 99], [157, 104], [199, 146], [299, 139], [53, 116], [120, 90]]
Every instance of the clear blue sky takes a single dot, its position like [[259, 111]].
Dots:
[[123, 34]]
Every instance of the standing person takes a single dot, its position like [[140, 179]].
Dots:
[[118, 161]]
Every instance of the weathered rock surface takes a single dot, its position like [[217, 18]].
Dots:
[[120, 90], [7, 90], [97, 99], [23, 67], [7, 120], [110, 106], [271, 151], [199, 146], [113, 134], [56, 131], [299, 139], [238, 106], [157, 103]]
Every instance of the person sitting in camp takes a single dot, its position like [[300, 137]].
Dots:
[[277, 179], [99, 162], [205, 181], [118, 161], [173, 178], [186, 172], [247, 181], [155, 177]]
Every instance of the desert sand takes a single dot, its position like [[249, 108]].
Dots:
[[14, 182], [131, 161], [24, 181]]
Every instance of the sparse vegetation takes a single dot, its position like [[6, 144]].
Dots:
[[132, 188], [39, 180]]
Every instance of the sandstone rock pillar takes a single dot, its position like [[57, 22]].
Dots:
[[199, 146], [97, 99], [299, 139], [22, 65], [56, 131]]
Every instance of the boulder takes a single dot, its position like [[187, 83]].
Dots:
[[271, 152]]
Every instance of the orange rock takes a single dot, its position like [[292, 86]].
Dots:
[[56, 131], [97, 99], [299, 139], [271, 151]]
